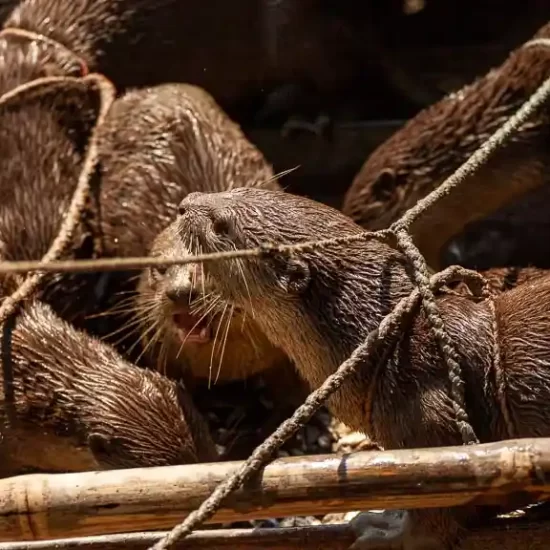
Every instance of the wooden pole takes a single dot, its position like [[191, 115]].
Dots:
[[38, 507], [501, 534]]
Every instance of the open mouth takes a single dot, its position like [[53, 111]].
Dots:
[[192, 328]]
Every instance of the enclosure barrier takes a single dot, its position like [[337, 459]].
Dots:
[[50, 506]]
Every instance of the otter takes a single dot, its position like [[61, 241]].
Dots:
[[197, 333], [179, 141], [319, 305], [70, 403], [419, 156]]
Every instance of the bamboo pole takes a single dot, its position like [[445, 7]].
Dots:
[[37, 507], [502, 534]]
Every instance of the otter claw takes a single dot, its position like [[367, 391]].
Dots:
[[387, 530]]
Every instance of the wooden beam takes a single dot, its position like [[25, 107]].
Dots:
[[37, 507]]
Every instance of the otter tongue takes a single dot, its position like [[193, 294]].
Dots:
[[187, 322], [191, 326]]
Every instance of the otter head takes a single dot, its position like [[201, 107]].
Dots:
[[407, 167], [316, 305], [188, 324], [431, 146]]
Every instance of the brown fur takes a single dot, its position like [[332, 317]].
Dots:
[[75, 404], [417, 158], [179, 141], [319, 306], [42, 144]]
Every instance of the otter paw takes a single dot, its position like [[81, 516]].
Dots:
[[387, 530]]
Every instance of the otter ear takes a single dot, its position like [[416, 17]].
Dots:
[[384, 184], [296, 275]]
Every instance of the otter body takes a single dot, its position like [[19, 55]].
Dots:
[[178, 141], [432, 145], [70, 403], [318, 306]]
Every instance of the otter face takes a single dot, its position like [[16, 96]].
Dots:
[[317, 304], [398, 174], [248, 218], [187, 325]]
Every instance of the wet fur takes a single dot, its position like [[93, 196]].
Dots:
[[76, 405], [179, 141], [418, 157], [319, 306]]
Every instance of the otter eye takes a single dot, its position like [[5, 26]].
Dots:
[[159, 271], [181, 209], [384, 185]]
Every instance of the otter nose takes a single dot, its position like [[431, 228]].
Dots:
[[181, 295], [181, 282]]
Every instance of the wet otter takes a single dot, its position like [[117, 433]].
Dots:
[[195, 331], [71, 403], [179, 141], [318, 306], [417, 158]]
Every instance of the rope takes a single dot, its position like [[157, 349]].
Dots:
[[80, 196]]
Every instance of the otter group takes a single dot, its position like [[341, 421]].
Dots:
[[181, 178], [56, 377]]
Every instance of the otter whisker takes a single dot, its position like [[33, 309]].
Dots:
[[153, 340], [229, 318], [131, 326], [197, 308], [214, 346], [190, 331], [280, 175], [239, 265]]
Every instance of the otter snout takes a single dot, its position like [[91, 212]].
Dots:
[[206, 220]]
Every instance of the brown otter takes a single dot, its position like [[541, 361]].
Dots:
[[319, 305], [71, 403], [179, 141], [417, 158], [196, 332]]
